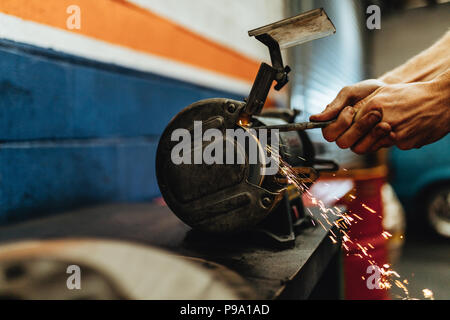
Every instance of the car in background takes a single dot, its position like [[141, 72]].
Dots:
[[421, 179]]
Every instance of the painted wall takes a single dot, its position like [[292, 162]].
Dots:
[[226, 23], [81, 111]]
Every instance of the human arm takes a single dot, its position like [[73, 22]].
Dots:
[[366, 129]]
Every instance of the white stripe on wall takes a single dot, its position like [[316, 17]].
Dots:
[[225, 22], [28, 32]]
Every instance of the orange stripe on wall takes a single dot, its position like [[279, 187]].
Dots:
[[122, 23]]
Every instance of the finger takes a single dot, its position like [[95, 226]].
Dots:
[[381, 131], [385, 142], [369, 104], [358, 130], [335, 107], [343, 122]]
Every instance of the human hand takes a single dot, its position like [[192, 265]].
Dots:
[[368, 132], [417, 113]]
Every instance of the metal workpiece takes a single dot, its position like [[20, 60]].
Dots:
[[266, 76], [297, 126]]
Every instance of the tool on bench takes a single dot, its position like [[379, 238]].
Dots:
[[230, 198]]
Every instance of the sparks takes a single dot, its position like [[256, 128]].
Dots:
[[428, 294], [333, 239], [389, 277], [386, 235], [368, 208]]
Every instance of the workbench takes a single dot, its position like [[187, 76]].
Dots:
[[311, 269]]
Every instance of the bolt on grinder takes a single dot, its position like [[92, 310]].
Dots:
[[222, 197]]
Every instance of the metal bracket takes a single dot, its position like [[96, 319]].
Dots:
[[286, 33], [266, 76]]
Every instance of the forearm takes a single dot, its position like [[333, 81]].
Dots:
[[441, 88], [424, 67]]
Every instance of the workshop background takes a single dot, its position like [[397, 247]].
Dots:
[[82, 110]]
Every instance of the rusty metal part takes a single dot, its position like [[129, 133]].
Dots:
[[297, 126], [266, 76], [304, 176], [260, 90], [302, 28], [308, 26]]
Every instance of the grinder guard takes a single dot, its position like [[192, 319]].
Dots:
[[212, 198], [222, 198]]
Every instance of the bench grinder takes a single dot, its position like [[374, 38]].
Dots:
[[240, 198]]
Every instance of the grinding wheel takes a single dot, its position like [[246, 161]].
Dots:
[[216, 198]]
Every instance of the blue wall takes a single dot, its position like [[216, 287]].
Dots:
[[76, 132]]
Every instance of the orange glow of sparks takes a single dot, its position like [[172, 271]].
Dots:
[[428, 294], [368, 208], [386, 281], [386, 235], [244, 120]]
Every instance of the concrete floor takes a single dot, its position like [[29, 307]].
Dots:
[[426, 264]]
